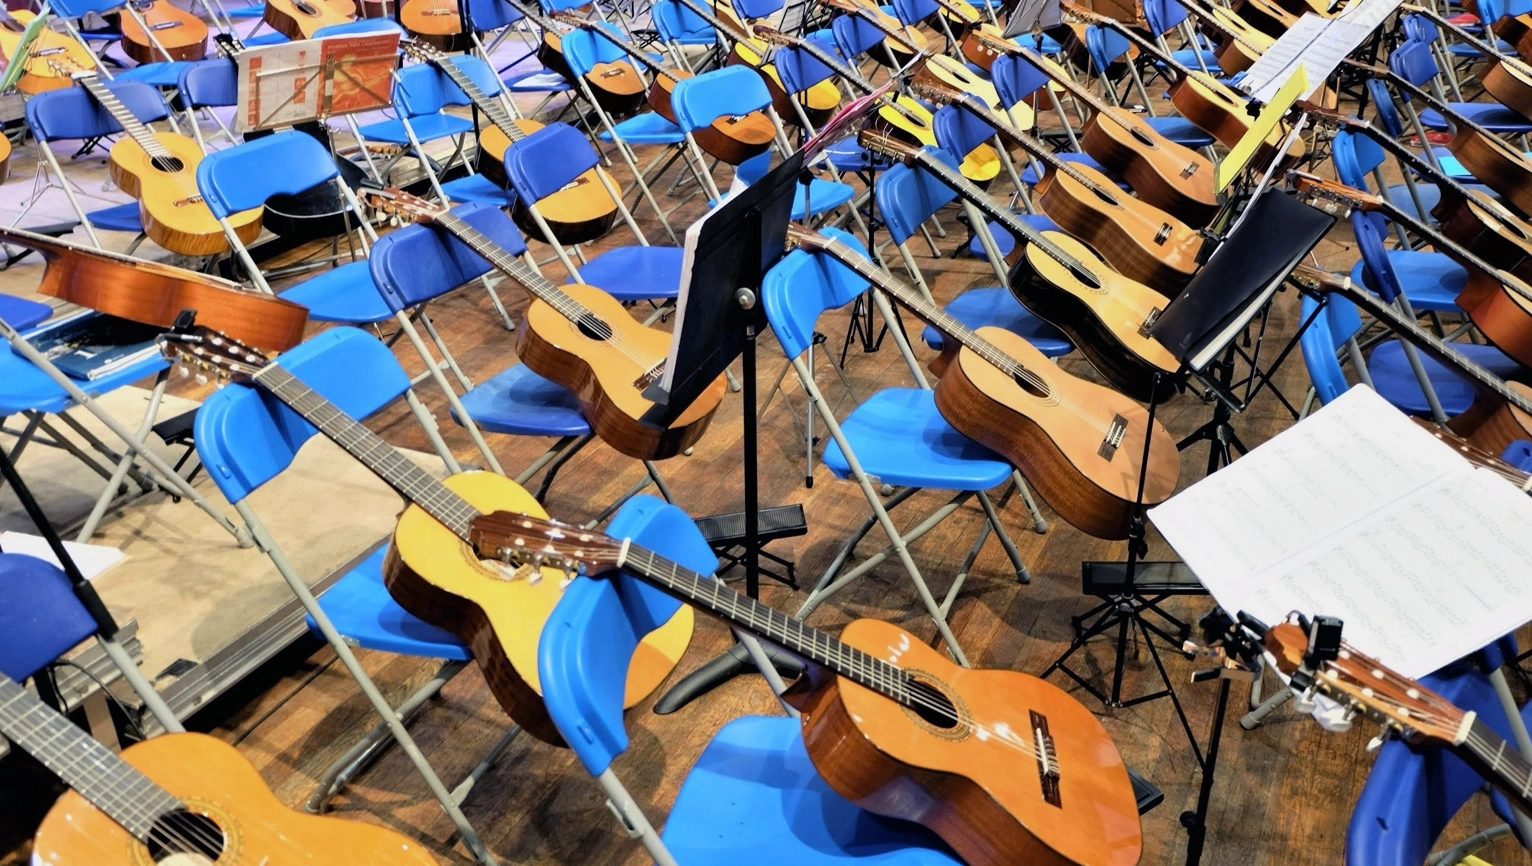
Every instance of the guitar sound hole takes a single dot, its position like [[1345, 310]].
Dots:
[[1031, 385], [932, 706], [167, 163], [594, 328], [184, 838]]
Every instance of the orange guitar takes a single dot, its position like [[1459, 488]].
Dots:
[[1005, 767], [176, 799], [298, 19], [50, 45], [182, 34]]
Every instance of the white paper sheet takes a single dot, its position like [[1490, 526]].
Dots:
[[1319, 44], [92, 559], [1358, 513]]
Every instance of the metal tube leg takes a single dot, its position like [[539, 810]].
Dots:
[[1250, 720], [118, 474], [1039, 525], [1022, 574], [461, 792], [130, 672]]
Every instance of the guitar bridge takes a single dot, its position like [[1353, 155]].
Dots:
[[1191, 169], [1047, 758], [650, 376], [1149, 320], [1113, 438], [1163, 235]]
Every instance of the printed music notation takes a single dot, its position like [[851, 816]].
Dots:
[[1358, 513]]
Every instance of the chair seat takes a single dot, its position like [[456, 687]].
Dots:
[[365, 614], [1394, 379], [1007, 241], [1188, 57], [998, 307], [24, 387], [1030, 177], [1430, 280], [519, 402], [343, 294], [118, 218], [536, 81], [21, 313], [253, 10], [636, 273], [270, 37], [820, 196], [428, 127], [477, 187], [1049, 46], [753, 798], [1492, 116], [646, 128], [162, 74], [847, 155], [902, 440], [1181, 131]]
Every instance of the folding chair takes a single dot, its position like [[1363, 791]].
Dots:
[[896, 437], [419, 263], [1414, 62], [680, 28], [22, 314], [502, 18], [753, 778], [247, 437], [1106, 46], [1016, 79], [1164, 16], [204, 86], [959, 132]]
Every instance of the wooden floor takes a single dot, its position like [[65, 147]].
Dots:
[[1283, 793]]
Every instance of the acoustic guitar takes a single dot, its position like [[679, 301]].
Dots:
[[1139, 240], [580, 212], [430, 567], [153, 293], [615, 84], [904, 42], [49, 45], [186, 799], [182, 34], [160, 170], [438, 23], [298, 19], [1005, 767], [584, 339], [818, 102], [1081, 445], [1239, 44]]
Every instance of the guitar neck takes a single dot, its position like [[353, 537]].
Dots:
[[893, 33], [483, 101], [514, 268], [1002, 124], [1399, 151], [1486, 48], [1447, 111], [844, 70], [1500, 761], [1075, 89], [1446, 244], [112, 785], [397, 471], [1208, 15], [129, 122], [627, 48]]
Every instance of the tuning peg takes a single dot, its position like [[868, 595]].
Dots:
[[1377, 742], [1304, 702], [201, 378], [182, 371]]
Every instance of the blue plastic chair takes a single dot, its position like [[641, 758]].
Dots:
[[1016, 79], [958, 132], [753, 796], [497, 16], [798, 71], [23, 314], [896, 436], [582, 51], [1433, 278], [246, 437], [855, 36], [359, 26], [679, 25], [1163, 16], [242, 177], [1413, 62], [41, 618], [1106, 46], [909, 196]]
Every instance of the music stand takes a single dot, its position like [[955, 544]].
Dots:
[[314, 79], [718, 319]]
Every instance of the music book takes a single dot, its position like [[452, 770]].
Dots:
[[90, 345], [91, 559], [1360, 513]]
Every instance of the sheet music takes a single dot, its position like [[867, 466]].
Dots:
[[91, 559], [1358, 513], [1319, 44]]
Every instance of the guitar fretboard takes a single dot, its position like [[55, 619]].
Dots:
[[516, 269], [1501, 760], [489, 105], [130, 123], [127, 796], [397, 471]]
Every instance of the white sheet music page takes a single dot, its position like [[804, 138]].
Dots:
[[1356, 512]]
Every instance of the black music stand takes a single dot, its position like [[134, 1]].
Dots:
[[719, 316]]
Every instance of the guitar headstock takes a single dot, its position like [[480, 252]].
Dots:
[[397, 202], [228, 45], [1365, 685], [938, 92], [422, 51], [805, 238], [773, 36], [881, 142], [212, 352], [69, 68], [1331, 196], [538, 542]]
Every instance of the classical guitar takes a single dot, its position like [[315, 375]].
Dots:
[[616, 84], [1266, 16], [182, 34], [933, 66], [582, 211], [37, 73], [186, 799], [904, 42], [1005, 767], [1176, 179], [1139, 240], [160, 170], [583, 339], [1239, 44], [1067, 284], [818, 102], [154, 294], [1080, 444], [298, 19], [430, 568], [732, 139], [438, 23]]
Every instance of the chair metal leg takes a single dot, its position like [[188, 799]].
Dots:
[[993, 519], [494, 298], [98, 510], [461, 792]]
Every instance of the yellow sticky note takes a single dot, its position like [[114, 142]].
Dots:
[[1239, 155]]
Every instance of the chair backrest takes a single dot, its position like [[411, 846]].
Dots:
[[71, 112], [800, 70], [1355, 157], [1418, 28], [674, 21], [40, 616], [589, 639], [732, 90], [422, 88], [1015, 78], [583, 49], [803, 285], [492, 14], [855, 35], [548, 160], [245, 176], [246, 437], [209, 83], [1413, 62], [1370, 230], [359, 26], [750, 9], [1387, 115], [1162, 15], [1325, 334], [908, 196], [80, 8], [420, 262], [1105, 46], [959, 130], [912, 12]]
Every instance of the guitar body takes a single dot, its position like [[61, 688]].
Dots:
[[605, 375], [172, 210], [975, 50], [439, 23], [983, 793], [1504, 242], [1175, 179], [1265, 16], [1502, 314], [1494, 429], [578, 213], [435, 575], [37, 75], [1211, 106], [944, 70], [1141, 242], [819, 102], [5, 159], [298, 19], [1493, 163], [1102, 321], [1233, 54], [617, 87], [1511, 84], [214, 780], [182, 34]]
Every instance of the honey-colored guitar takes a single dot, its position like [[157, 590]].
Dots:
[[818, 102], [182, 34], [38, 74], [1080, 444], [1005, 767], [582, 211], [182, 799], [5, 159], [431, 569], [583, 339], [438, 23], [298, 19], [160, 170]]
